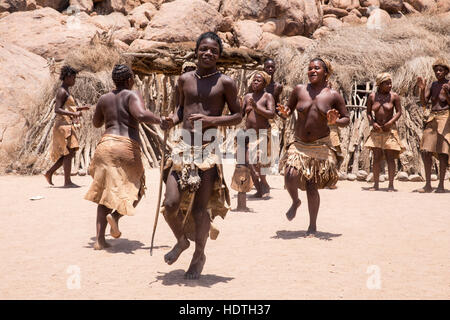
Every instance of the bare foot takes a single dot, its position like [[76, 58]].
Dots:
[[374, 188], [48, 177], [391, 189], [426, 189], [71, 185], [196, 267], [290, 214], [173, 254], [115, 232], [100, 245], [439, 190], [266, 191], [311, 233]]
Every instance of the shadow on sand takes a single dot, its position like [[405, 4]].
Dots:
[[288, 235], [379, 189], [176, 277], [123, 245]]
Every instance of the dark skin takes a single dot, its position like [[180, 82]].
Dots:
[[199, 100], [439, 93], [274, 88], [318, 106], [66, 161], [177, 98], [259, 107], [121, 111], [383, 103]]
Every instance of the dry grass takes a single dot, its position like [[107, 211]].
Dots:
[[406, 48], [99, 55], [95, 62]]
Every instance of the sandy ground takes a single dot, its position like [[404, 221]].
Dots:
[[371, 245]]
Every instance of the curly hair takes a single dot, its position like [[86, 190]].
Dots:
[[212, 36], [67, 71], [120, 74]]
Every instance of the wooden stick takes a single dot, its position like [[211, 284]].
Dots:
[[158, 204]]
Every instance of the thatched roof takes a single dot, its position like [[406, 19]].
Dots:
[[168, 58]]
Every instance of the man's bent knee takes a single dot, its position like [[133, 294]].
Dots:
[[171, 205]]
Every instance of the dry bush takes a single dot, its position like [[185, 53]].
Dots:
[[95, 62], [100, 54]]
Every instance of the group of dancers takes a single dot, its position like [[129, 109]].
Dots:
[[196, 191]]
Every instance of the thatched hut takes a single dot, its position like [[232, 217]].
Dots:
[[406, 48]]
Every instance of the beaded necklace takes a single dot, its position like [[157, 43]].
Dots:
[[206, 75]]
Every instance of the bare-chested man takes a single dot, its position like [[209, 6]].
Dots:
[[384, 138], [65, 131], [274, 88], [195, 189], [117, 170], [258, 108], [436, 135], [310, 162]]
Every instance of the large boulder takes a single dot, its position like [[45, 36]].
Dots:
[[140, 16], [47, 32], [268, 40], [246, 9], [123, 6], [338, 12], [313, 16], [31, 5], [391, 6], [295, 20], [332, 22], [182, 20], [115, 20], [302, 17], [351, 19], [54, 4], [275, 26], [423, 5], [345, 4], [248, 33], [81, 5], [23, 76], [378, 19], [370, 3], [13, 5], [298, 42], [226, 25], [216, 4], [126, 35], [321, 32]]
